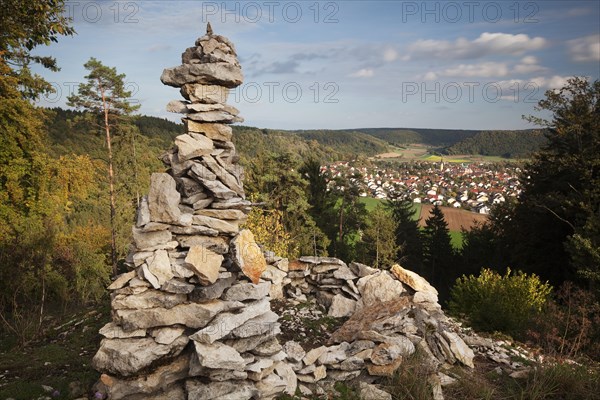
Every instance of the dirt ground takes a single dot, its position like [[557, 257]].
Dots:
[[455, 217]]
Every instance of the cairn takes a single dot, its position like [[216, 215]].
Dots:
[[192, 319]]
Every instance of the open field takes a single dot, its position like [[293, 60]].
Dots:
[[456, 218], [408, 153], [421, 152], [370, 203]]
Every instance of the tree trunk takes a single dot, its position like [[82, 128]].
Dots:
[[113, 232], [135, 170]]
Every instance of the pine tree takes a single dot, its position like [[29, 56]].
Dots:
[[379, 239], [105, 97], [555, 231], [408, 235], [438, 254]]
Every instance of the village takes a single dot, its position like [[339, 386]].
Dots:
[[471, 186]]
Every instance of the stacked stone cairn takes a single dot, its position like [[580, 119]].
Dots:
[[192, 319]]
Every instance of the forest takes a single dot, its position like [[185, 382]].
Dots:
[[71, 180]]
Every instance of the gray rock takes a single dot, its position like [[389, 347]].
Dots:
[[363, 270], [294, 351], [219, 116], [285, 372], [243, 345], [224, 323], [114, 331], [333, 355], [207, 94], [167, 335], [202, 204], [267, 348], [127, 356], [247, 291], [160, 266], [425, 297], [381, 287], [236, 202], [148, 240], [214, 291], [200, 172], [232, 215], [122, 280], [147, 299], [218, 190], [270, 386], [371, 392], [259, 325], [205, 263], [177, 286], [177, 106], [148, 276], [353, 363], [313, 355], [231, 390], [140, 388], [192, 315], [143, 213], [227, 227], [217, 244], [189, 187], [218, 356], [194, 230], [212, 131], [341, 307], [190, 147], [163, 199], [344, 273], [412, 279], [459, 349], [140, 257], [222, 74], [224, 176]]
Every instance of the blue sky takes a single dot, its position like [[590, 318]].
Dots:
[[347, 64]]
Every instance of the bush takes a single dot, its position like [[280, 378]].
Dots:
[[491, 302], [569, 325]]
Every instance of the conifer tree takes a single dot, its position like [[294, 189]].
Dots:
[[105, 97], [438, 254], [408, 235]]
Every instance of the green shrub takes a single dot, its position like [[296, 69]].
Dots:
[[569, 325], [491, 302]]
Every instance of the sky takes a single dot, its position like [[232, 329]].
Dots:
[[346, 64]]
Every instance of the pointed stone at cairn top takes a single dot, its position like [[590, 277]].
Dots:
[[209, 30]]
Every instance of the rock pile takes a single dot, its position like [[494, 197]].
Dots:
[[392, 313], [192, 319]]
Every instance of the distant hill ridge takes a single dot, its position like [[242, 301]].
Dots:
[[329, 145]]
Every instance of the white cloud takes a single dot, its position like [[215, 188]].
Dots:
[[481, 70], [540, 82], [578, 12], [529, 60], [363, 73], [390, 55], [585, 48], [430, 76], [528, 65], [486, 44]]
